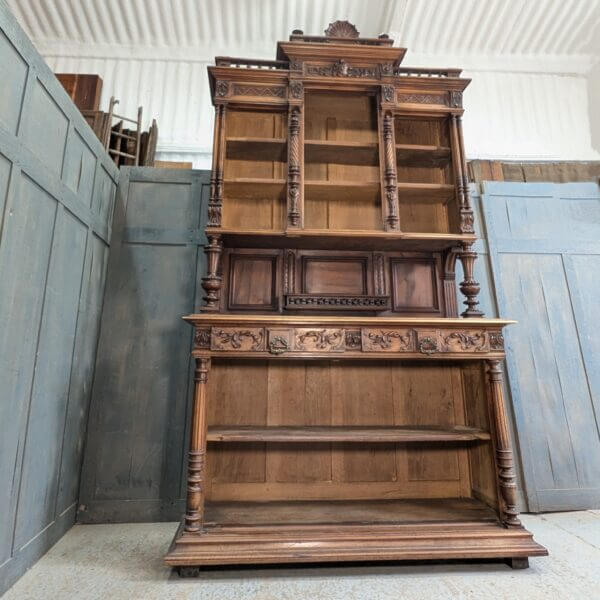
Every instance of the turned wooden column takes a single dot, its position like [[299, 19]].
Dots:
[[211, 283], [391, 219], [215, 201], [466, 210], [504, 457], [194, 512], [294, 204], [468, 286]]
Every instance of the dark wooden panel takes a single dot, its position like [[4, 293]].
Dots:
[[252, 282], [84, 90], [414, 285], [322, 275], [152, 280]]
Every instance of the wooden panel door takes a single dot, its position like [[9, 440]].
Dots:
[[544, 244]]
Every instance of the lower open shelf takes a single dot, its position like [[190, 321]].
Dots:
[[353, 530], [347, 512]]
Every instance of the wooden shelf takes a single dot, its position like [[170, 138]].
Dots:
[[348, 512], [342, 239], [255, 189], [341, 152], [345, 434], [415, 155], [425, 193], [353, 191], [254, 148]]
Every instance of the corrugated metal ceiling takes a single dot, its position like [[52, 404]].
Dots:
[[492, 27]]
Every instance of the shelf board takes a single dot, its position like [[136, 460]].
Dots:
[[416, 155], [254, 148], [341, 152], [348, 512], [425, 193], [255, 189], [342, 239], [345, 434], [353, 191]]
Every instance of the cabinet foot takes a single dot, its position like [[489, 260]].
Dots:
[[188, 571], [518, 563]]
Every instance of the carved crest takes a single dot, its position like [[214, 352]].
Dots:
[[342, 29]]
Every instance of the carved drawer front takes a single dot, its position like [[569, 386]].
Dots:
[[319, 340], [465, 341], [387, 340], [279, 341], [237, 339]]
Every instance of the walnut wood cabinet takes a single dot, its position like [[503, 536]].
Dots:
[[342, 410]]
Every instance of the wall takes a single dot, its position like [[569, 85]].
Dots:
[[57, 189]]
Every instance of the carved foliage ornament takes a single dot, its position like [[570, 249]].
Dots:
[[323, 339], [222, 88], [278, 345], [234, 339], [388, 93], [202, 338], [296, 89], [353, 339], [342, 29], [384, 339], [467, 342], [428, 345]]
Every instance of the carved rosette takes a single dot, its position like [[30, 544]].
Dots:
[[496, 340], [294, 168], [390, 186], [353, 339], [504, 458]]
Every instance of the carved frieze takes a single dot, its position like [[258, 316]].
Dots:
[[259, 90], [341, 68], [340, 302], [319, 340], [422, 99], [241, 340], [387, 340]]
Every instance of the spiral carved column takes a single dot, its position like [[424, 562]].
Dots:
[[389, 174], [504, 456], [294, 214], [194, 512]]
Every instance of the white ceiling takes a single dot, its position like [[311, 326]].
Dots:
[[559, 30]]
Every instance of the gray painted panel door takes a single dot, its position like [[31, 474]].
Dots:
[[134, 458], [544, 243]]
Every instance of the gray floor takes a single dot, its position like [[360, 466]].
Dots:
[[124, 562]]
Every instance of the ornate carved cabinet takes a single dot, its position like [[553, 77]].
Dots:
[[342, 409]]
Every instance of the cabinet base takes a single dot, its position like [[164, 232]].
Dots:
[[365, 542]]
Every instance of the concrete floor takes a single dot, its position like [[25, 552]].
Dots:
[[124, 562]]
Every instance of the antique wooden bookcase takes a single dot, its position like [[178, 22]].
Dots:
[[343, 411]]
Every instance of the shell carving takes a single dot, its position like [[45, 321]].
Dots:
[[342, 29]]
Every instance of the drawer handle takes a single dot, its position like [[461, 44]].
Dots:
[[428, 346], [278, 345]]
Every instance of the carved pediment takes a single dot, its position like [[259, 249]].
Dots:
[[342, 29]]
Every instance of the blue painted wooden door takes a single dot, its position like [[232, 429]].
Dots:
[[544, 250]]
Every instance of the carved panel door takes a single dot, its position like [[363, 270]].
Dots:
[[544, 246]]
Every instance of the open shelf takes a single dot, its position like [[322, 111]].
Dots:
[[352, 191], [425, 193], [348, 512], [341, 152], [345, 434], [254, 188], [341, 239], [256, 148], [416, 155]]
